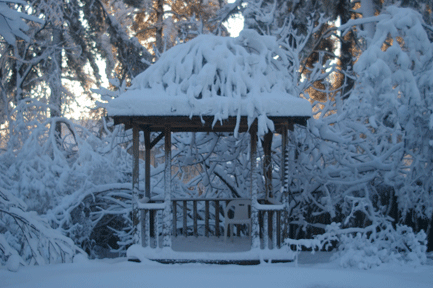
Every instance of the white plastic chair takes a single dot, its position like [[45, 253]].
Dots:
[[240, 215]]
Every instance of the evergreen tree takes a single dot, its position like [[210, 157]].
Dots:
[[161, 24]]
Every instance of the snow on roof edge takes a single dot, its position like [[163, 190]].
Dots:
[[150, 102], [216, 76]]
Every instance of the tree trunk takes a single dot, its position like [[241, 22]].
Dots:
[[346, 62], [55, 79], [159, 25], [367, 10]]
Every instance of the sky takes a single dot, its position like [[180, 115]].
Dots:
[[80, 109], [236, 24]]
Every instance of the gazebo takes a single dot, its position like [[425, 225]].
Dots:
[[210, 84]]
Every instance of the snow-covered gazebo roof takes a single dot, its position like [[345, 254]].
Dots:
[[214, 80]]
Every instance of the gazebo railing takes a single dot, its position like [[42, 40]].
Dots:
[[184, 209], [270, 224], [193, 217]]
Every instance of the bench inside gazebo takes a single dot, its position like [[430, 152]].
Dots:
[[211, 84]]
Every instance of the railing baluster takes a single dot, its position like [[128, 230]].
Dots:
[[148, 223], [260, 221], [174, 218], [274, 229], [152, 232], [185, 210], [144, 227], [194, 216], [206, 218], [217, 218], [270, 226], [265, 230], [278, 229], [156, 227]]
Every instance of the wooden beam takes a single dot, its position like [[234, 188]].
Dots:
[[206, 219], [144, 228], [267, 164], [147, 163], [135, 176], [156, 140], [286, 227], [291, 125], [201, 124], [194, 217], [283, 153], [253, 160], [185, 217], [167, 215], [255, 237], [217, 218]]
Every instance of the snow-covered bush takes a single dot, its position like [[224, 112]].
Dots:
[[368, 247], [27, 239], [78, 180], [382, 244], [392, 99], [376, 241], [373, 148]]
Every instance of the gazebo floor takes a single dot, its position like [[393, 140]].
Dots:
[[210, 244], [210, 250]]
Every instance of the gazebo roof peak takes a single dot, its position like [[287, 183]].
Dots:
[[216, 76]]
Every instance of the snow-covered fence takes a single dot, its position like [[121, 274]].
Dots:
[[210, 218], [270, 217], [151, 221], [193, 217]]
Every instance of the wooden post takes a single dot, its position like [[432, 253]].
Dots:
[[270, 225], [265, 230], [155, 225], [185, 216], [217, 218], [153, 233], [167, 217], [144, 228], [278, 228], [285, 214], [135, 182], [292, 155], [275, 216], [283, 167], [147, 163], [174, 218], [206, 218], [255, 237], [194, 216], [267, 164]]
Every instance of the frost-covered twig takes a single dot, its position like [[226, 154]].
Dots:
[[28, 235]]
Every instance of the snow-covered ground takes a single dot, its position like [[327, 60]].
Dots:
[[312, 271]]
